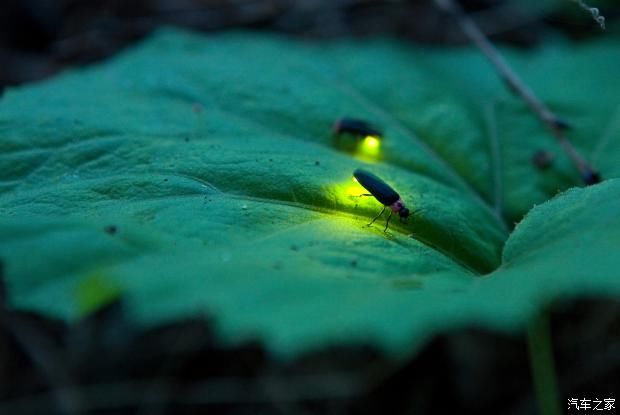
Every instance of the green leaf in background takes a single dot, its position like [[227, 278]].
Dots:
[[198, 174]]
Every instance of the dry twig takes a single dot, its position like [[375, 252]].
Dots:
[[556, 124], [596, 15]]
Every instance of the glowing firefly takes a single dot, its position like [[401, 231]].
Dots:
[[384, 193]]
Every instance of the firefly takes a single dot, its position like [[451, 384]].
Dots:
[[355, 127], [384, 193]]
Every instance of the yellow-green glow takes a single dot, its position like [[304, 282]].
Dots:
[[348, 190], [369, 147], [353, 189], [96, 291], [371, 141]]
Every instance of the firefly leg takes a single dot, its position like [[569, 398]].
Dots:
[[377, 217], [388, 221], [362, 195]]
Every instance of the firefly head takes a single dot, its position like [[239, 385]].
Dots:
[[399, 207], [403, 213]]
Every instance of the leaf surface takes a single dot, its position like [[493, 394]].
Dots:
[[199, 175]]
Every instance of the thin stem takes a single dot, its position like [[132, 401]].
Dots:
[[494, 151], [542, 365], [555, 124]]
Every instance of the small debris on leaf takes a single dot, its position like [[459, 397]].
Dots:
[[543, 159], [110, 229]]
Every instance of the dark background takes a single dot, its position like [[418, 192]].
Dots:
[[40, 37], [102, 365]]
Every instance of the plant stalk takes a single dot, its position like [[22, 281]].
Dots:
[[542, 365]]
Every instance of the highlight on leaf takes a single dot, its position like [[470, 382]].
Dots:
[[353, 188]]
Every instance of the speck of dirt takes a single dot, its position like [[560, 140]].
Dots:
[[270, 159], [165, 180], [187, 139], [294, 248], [317, 163], [354, 263], [111, 229], [543, 159]]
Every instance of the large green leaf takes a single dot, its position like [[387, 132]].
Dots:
[[199, 175]]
